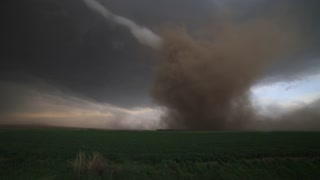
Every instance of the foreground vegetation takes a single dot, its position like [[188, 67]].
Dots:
[[95, 154]]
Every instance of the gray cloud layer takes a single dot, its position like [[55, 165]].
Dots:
[[66, 45]]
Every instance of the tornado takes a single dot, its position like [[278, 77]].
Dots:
[[204, 80]]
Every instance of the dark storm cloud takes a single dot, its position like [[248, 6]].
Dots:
[[307, 61], [63, 42], [306, 16], [66, 44]]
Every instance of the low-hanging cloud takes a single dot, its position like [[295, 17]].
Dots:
[[303, 118], [40, 104]]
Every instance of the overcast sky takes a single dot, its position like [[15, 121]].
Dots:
[[62, 47]]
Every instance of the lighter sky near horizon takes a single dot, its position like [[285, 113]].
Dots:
[[287, 95]]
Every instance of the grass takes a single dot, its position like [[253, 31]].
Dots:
[[47, 153], [95, 164], [80, 164]]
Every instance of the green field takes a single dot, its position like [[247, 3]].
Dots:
[[48, 153]]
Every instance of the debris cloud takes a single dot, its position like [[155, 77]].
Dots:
[[204, 81]]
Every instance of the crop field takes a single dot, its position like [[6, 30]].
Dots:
[[56, 154]]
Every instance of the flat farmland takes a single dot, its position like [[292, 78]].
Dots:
[[50, 153]]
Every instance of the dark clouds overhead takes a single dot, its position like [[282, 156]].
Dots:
[[65, 44]]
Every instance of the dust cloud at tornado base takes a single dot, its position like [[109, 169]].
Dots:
[[204, 79]]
